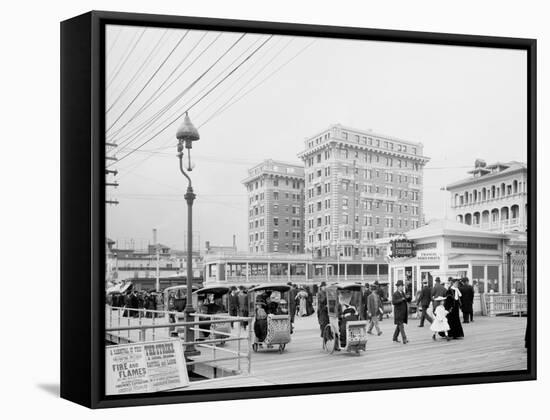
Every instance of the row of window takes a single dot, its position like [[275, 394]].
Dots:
[[288, 248], [367, 140], [294, 184], [276, 196], [364, 204], [258, 236], [366, 188], [259, 210], [366, 157], [490, 193], [366, 221]]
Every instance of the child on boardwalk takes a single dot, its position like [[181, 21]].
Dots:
[[440, 324]]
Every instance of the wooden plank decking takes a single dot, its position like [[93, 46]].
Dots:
[[490, 344]]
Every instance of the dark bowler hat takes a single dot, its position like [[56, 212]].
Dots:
[[399, 283]]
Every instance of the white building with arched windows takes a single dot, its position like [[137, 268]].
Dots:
[[493, 198]]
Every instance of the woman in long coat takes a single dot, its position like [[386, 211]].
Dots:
[[452, 304]]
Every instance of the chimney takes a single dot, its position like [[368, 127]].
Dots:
[[207, 245], [235, 241]]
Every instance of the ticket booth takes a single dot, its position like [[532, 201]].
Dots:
[[445, 248]]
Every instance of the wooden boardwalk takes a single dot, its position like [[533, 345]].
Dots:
[[490, 345]]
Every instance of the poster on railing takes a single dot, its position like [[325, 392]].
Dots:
[[145, 367]]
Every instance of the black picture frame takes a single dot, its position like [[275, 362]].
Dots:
[[83, 206]]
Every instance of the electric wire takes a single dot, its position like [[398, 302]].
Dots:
[[124, 58], [174, 101], [171, 103], [148, 81], [200, 99], [153, 98], [229, 105], [154, 51]]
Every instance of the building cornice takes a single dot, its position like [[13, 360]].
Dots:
[[482, 179]]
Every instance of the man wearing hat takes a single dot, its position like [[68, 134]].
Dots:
[[374, 307], [424, 301], [438, 291], [400, 312]]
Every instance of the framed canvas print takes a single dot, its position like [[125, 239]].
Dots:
[[257, 209]]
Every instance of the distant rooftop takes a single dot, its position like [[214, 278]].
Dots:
[[483, 171], [271, 166]]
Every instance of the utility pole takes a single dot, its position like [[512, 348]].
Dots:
[[157, 284], [110, 147]]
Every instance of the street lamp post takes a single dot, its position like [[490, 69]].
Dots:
[[186, 135]]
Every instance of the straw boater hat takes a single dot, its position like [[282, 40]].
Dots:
[[440, 298]]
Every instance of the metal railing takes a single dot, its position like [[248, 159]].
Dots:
[[123, 323], [505, 304]]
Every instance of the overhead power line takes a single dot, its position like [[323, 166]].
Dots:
[[124, 58], [148, 81], [155, 95], [175, 100], [151, 54], [200, 99], [117, 36], [228, 105]]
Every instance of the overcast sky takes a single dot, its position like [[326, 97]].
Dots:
[[461, 103]]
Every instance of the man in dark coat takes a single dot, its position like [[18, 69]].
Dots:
[[309, 302], [292, 302], [438, 291], [233, 303], [424, 300], [467, 300], [243, 304], [322, 310], [374, 307], [400, 312], [366, 292]]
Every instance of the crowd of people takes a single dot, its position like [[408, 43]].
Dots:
[[134, 302], [440, 305]]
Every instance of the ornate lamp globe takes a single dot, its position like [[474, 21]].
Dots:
[[187, 132]]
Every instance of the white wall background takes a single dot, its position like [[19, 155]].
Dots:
[[30, 212]]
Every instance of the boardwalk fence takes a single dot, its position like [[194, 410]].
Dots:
[[126, 325], [505, 304]]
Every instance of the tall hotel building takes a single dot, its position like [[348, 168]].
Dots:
[[275, 207], [360, 186]]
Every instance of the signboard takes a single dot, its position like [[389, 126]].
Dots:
[[428, 256], [145, 367], [402, 248]]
